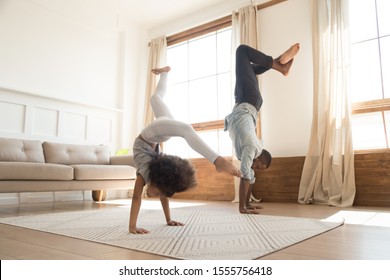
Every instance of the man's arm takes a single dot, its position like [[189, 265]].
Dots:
[[244, 195], [136, 205]]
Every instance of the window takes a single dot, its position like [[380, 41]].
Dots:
[[370, 73], [200, 90]]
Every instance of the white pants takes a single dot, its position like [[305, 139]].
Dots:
[[165, 127]]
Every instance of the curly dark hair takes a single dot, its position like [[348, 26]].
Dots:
[[171, 174], [265, 158]]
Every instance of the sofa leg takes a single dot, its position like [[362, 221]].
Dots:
[[99, 195]]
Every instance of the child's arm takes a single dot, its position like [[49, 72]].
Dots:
[[165, 205], [136, 205]]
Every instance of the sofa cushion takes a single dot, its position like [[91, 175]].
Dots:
[[122, 160], [75, 154], [34, 171], [21, 150], [103, 172]]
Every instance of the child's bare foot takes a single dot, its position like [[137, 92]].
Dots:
[[289, 54], [158, 71], [222, 165]]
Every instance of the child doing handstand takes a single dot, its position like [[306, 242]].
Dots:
[[165, 174]]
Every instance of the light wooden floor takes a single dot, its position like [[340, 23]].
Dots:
[[366, 234]]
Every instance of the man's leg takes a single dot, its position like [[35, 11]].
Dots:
[[246, 56], [249, 63], [261, 62]]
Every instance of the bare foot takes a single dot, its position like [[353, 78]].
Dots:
[[158, 71], [282, 68], [222, 165], [289, 54]]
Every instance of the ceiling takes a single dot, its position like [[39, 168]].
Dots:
[[147, 14], [152, 13]]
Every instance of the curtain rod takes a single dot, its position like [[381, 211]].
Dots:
[[212, 26], [269, 4]]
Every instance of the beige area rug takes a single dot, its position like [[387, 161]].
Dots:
[[207, 235]]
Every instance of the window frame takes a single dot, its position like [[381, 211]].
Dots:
[[374, 105], [379, 105], [194, 33], [204, 29]]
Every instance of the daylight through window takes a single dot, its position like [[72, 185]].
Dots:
[[370, 73], [200, 90]]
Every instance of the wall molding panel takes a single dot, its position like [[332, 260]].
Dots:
[[44, 122], [13, 117], [29, 116]]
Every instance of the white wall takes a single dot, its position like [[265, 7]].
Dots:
[[69, 77], [287, 107], [49, 54], [63, 58]]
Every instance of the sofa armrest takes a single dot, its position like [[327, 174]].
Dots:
[[122, 160]]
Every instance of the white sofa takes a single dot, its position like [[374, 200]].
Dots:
[[33, 166]]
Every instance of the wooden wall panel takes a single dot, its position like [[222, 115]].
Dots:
[[372, 173], [280, 183], [211, 184]]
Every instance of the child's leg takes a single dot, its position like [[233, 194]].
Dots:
[[163, 128], [160, 109]]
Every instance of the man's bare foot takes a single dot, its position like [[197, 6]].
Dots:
[[158, 71], [289, 54], [222, 165], [282, 68]]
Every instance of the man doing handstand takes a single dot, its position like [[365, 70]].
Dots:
[[241, 123]]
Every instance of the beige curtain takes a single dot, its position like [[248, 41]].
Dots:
[[328, 174], [244, 31], [244, 24], [157, 58]]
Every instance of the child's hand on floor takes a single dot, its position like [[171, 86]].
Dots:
[[174, 223], [136, 230]]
